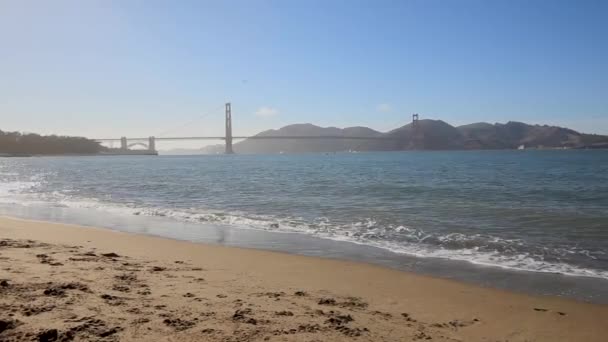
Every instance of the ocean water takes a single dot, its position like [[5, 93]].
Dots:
[[536, 211]]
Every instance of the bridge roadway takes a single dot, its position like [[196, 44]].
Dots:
[[255, 137]]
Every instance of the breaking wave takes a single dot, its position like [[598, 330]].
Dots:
[[481, 249]]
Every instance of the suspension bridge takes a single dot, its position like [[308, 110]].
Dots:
[[149, 143]]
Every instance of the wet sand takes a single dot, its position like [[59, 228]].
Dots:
[[63, 282]]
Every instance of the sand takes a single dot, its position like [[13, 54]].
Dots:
[[64, 282]]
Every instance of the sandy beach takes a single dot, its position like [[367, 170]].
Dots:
[[63, 282]]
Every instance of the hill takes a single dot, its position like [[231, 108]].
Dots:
[[15, 143], [426, 135], [514, 134], [309, 145]]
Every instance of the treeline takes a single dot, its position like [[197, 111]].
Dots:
[[18, 143]]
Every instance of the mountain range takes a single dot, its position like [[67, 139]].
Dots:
[[424, 135]]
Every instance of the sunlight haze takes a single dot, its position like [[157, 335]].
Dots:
[[141, 68]]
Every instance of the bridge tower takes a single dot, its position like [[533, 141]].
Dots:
[[123, 143], [151, 144], [417, 141], [229, 129]]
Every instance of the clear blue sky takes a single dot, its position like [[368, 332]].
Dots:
[[113, 68]]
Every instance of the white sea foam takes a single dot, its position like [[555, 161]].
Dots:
[[475, 248], [11, 191]]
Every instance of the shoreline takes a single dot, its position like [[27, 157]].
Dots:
[[589, 289], [384, 297]]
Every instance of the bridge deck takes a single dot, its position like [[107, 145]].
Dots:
[[340, 137]]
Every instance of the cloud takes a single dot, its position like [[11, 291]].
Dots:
[[266, 112], [384, 108]]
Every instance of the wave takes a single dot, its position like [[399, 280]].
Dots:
[[10, 190], [480, 249]]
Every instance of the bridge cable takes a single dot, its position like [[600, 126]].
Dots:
[[207, 114]]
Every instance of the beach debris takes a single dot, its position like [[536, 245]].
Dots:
[[327, 301], [319, 312], [45, 259], [157, 269], [108, 297], [350, 302], [340, 323], [339, 319], [275, 295], [242, 316], [540, 309], [4, 283], [8, 324], [179, 324], [301, 294], [110, 255], [283, 332], [385, 315], [109, 332], [459, 324], [284, 313], [142, 320], [354, 302], [35, 310], [90, 327], [126, 277], [455, 324], [60, 289], [112, 300], [121, 288], [21, 243], [48, 335], [421, 335], [408, 317], [144, 292], [352, 332], [309, 328]]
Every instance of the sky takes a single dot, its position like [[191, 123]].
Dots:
[[165, 68]]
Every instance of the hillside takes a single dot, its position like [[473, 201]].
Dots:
[[17, 143], [514, 134], [310, 145], [427, 135]]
